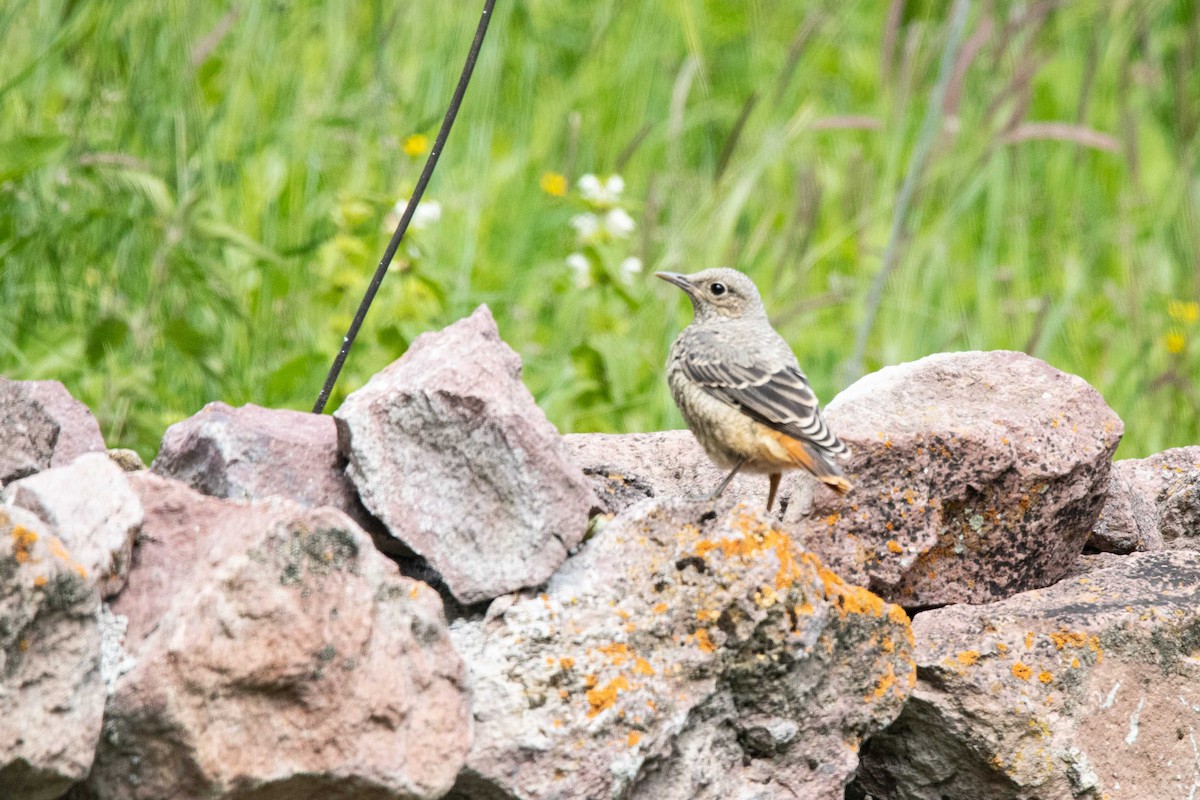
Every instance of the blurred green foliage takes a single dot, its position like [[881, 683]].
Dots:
[[193, 195]]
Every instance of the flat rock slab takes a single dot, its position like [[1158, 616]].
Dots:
[[89, 505], [681, 654], [1088, 688], [449, 450], [976, 476], [1152, 503], [252, 453], [43, 426], [51, 692], [274, 653]]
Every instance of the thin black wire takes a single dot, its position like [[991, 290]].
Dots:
[[402, 228]]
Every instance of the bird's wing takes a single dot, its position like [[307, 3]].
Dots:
[[779, 398]]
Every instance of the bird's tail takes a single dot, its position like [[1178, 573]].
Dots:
[[820, 464]]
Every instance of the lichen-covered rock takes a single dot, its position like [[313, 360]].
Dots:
[[1087, 689], [88, 504], [1153, 503], [44, 426], [51, 693], [252, 453], [273, 653], [976, 476], [681, 655], [449, 450]]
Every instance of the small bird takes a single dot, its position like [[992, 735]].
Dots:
[[741, 390]]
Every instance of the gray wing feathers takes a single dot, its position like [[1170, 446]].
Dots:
[[780, 399]]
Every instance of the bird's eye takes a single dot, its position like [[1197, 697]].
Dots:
[[717, 289]]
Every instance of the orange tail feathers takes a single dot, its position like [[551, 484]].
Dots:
[[822, 467]]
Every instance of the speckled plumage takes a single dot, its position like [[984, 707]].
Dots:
[[739, 386]]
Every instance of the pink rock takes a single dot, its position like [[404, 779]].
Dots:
[[43, 426], [88, 504], [51, 692], [1088, 688], [977, 476], [251, 453], [681, 655], [449, 450], [1153, 503], [276, 654]]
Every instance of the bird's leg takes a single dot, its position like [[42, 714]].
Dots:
[[775, 476], [725, 482]]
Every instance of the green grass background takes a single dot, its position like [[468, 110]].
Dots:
[[193, 194]]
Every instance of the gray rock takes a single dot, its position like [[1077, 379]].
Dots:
[[88, 504], [51, 693], [1088, 688], [1153, 503], [252, 453], [681, 655], [44, 426], [976, 476], [448, 449], [271, 652]]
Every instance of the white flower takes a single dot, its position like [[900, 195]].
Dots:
[[582, 268], [601, 193], [618, 223], [631, 265], [425, 215], [586, 225]]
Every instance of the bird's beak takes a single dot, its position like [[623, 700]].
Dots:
[[674, 277]]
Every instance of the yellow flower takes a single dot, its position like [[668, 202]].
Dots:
[[1182, 311], [1174, 342], [554, 184], [416, 145]]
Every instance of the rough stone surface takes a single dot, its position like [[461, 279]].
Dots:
[[275, 654], [1086, 689], [681, 654], [1153, 503], [448, 449], [977, 475], [88, 504], [251, 453], [51, 693], [44, 426], [626, 468]]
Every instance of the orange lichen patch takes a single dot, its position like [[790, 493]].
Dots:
[[1045, 677], [894, 546], [605, 697], [545, 600], [707, 615], [757, 539], [1094, 646], [1028, 639], [1001, 647], [23, 542], [704, 642], [661, 608], [885, 683], [887, 645], [912, 674], [558, 723], [642, 667], [634, 738], [1021, 671], [967, 657], [832, 519], [415, 592], [39, 581], [1063, 638], [589, 681], [630, 627], [23, 644], [58, 551], [622, 613], [617, 652], [563, 694], [1074, 663], [566, 662], [650, 704]]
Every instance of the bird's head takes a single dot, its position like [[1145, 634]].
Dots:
[[719, 294]]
